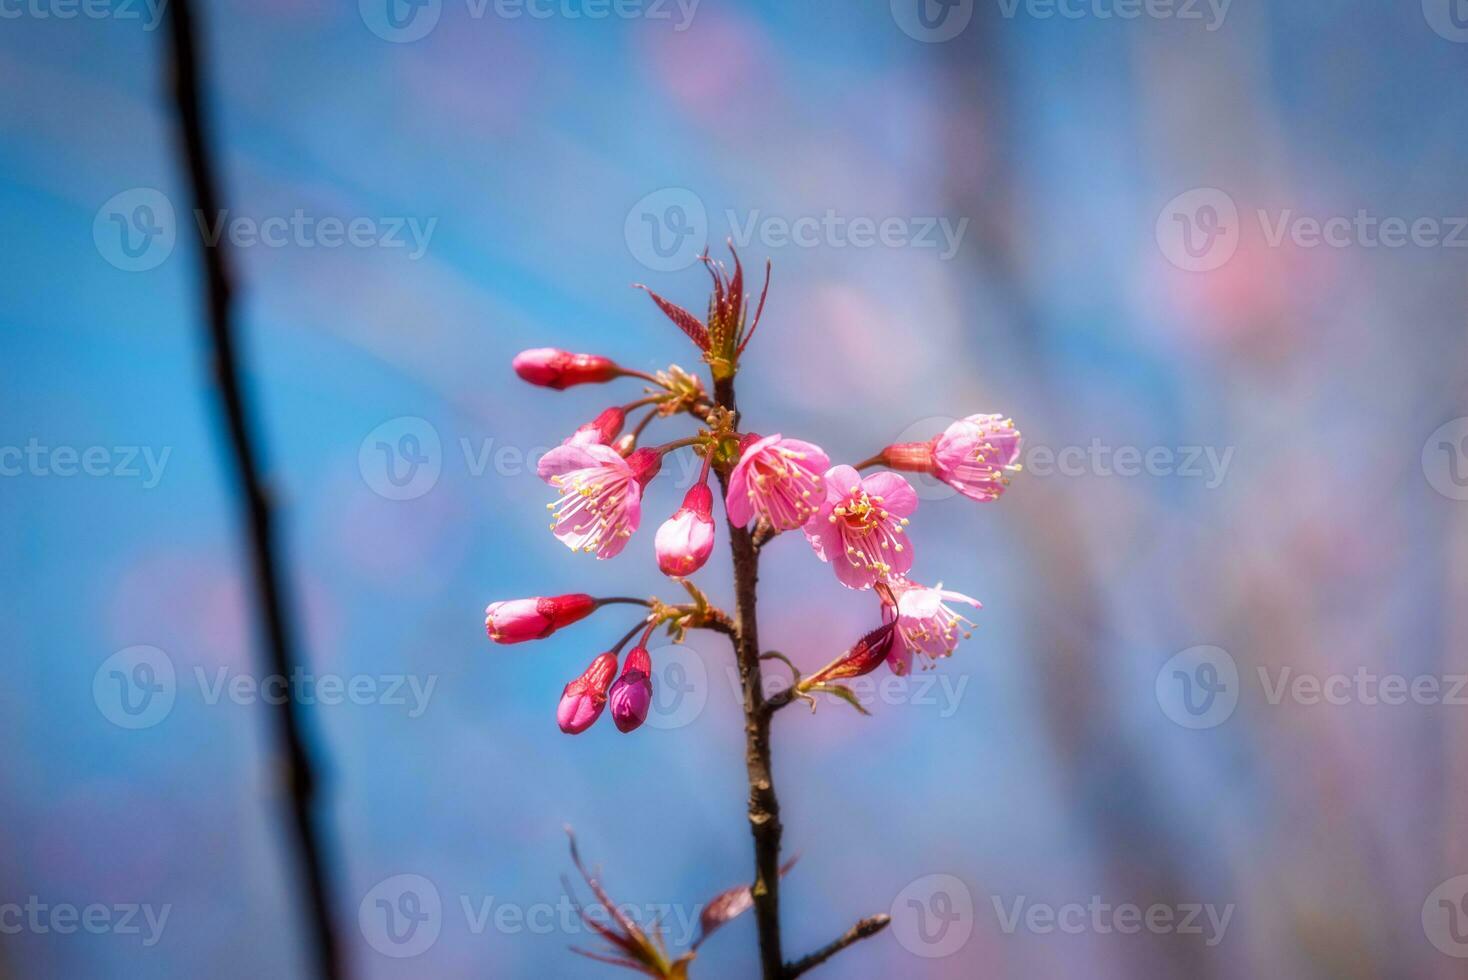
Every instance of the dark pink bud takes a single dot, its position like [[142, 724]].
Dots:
[[558, 369], [601, 430], [631, 695], [685, 540], [863, 658], [645, 464], [584, 698], [517, 620]]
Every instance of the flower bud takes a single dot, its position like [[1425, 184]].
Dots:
[[599, 431], [863, 658], [559, 369], [686, 539], [517, 620], [584, 698], [631, 695]]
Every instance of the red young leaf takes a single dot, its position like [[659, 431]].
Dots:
[[686, 321], [729, 905]]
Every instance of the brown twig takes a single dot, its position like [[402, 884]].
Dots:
[[858, 932], [288, 715], [764, 807]]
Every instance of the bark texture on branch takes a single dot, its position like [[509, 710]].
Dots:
[[764, 807]]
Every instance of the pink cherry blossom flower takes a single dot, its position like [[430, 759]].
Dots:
[[600, 431], [974, 456], [859, 527], [631, 695], [686, 539], [601, 495], [925, 624], [778, 479], [517, 620], [584, 698], [559, 369]]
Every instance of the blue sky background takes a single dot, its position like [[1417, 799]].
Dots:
[[1040, 764]]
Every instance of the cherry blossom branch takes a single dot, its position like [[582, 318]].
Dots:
[[862, 930], [770, 484], [764, 806], [287, 717]]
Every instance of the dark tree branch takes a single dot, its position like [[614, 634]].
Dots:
[[764, 807], [187, 89], [858, 932]]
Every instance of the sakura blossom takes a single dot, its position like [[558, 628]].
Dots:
[[778, 479], [926, 626], [860, 528], [601, 495], [975, 456]]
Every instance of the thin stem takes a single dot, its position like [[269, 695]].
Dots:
[[288, 716], [764, 806], [630, 634], [871, 461], [630, 373], [858, 932], [650, 399], [623, 599], [668, 447], [642, 424]]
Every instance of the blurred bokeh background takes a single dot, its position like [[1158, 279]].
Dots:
[[1245, 504]]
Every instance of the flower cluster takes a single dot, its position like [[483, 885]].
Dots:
[[854, 523]]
